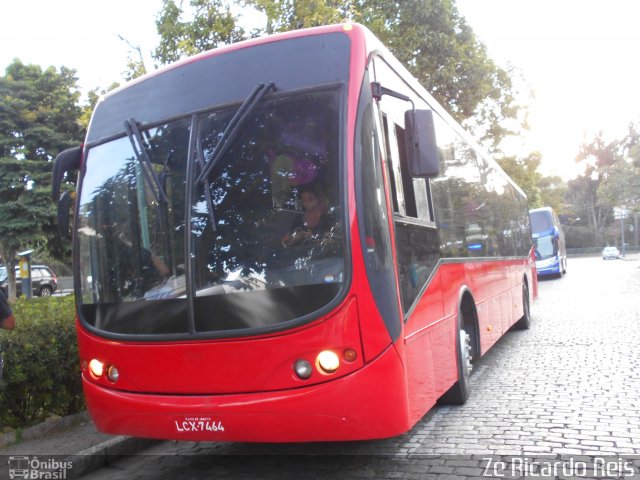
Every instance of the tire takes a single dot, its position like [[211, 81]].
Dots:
[[459, 391], [525, 321], [45, 291]]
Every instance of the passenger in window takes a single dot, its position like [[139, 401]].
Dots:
[[314, 222]]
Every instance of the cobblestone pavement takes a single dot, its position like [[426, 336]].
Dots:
[[569, 386]]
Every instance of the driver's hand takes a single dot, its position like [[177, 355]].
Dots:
[[297, 236]]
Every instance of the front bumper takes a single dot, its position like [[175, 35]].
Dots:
[[548, 268], [369, 403]]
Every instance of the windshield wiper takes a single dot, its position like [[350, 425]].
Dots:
[[234, 126], [133, 132]]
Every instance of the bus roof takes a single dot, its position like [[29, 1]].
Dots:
[[541, 209]]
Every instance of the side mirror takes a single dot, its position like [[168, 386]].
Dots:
[[64, 205], [66, 161], [422, 149]]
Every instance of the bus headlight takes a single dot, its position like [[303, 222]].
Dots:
[[328, 361], [96, 367]]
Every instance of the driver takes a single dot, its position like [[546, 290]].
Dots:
[[315, 219]]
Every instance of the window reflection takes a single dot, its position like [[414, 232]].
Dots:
[[478, 211], [132, 242], [287, 153]]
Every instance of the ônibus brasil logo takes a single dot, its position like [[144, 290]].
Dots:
[[35, 468]]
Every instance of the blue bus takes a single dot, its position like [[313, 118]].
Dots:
[[548, 238]]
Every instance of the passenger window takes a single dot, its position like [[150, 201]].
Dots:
[[410, 196]]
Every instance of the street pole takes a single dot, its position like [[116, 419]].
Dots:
[[622, 229]]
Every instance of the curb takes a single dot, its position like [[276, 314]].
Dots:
[[96, 457], [45, 428], [85, 461]]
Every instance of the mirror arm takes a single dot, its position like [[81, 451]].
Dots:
[[377, 91]]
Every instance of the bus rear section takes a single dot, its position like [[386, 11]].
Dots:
[[259, 257], [548, 237]]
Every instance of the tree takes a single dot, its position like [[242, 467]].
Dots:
[[620, 185], [598, 152], [441, 51], [38, 119], [552, 191], [40, 111], [212, 25], [429, 36], [524, 171], [135, 66], [283, 16], [92, 99], [584, 192]]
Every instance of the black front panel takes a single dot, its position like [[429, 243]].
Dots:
[[223, 79]]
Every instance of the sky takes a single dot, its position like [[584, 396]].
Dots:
[[581, 58]]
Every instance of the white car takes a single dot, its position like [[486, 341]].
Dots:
[[610, 252]]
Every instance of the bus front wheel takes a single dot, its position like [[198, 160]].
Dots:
[[525, 321], [459, 392]]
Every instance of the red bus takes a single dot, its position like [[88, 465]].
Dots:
[[287, 239]]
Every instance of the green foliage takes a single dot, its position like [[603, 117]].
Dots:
[[92, 99], [38, 119], [41, 367], [24, 211], [598, 152], [40, 112], [428, 36], [286, 15], [552, 192], [579, 237], [440, 49], [212, 25], [620, 185], [611, 178], [524, 171]]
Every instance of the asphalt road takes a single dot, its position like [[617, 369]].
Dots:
[[569, 386]]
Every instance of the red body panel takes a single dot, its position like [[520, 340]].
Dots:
[[430, 332]]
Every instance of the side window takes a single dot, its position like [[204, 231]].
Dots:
[[410, 196], [416, 237]]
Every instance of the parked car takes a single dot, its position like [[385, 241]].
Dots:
[[43, 281], [610, 252]]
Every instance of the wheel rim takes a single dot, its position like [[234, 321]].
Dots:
[[45, 292], [465, 348]]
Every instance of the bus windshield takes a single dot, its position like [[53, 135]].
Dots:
[[541, 221], [264, 221], [545, 247], [543, 234]]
